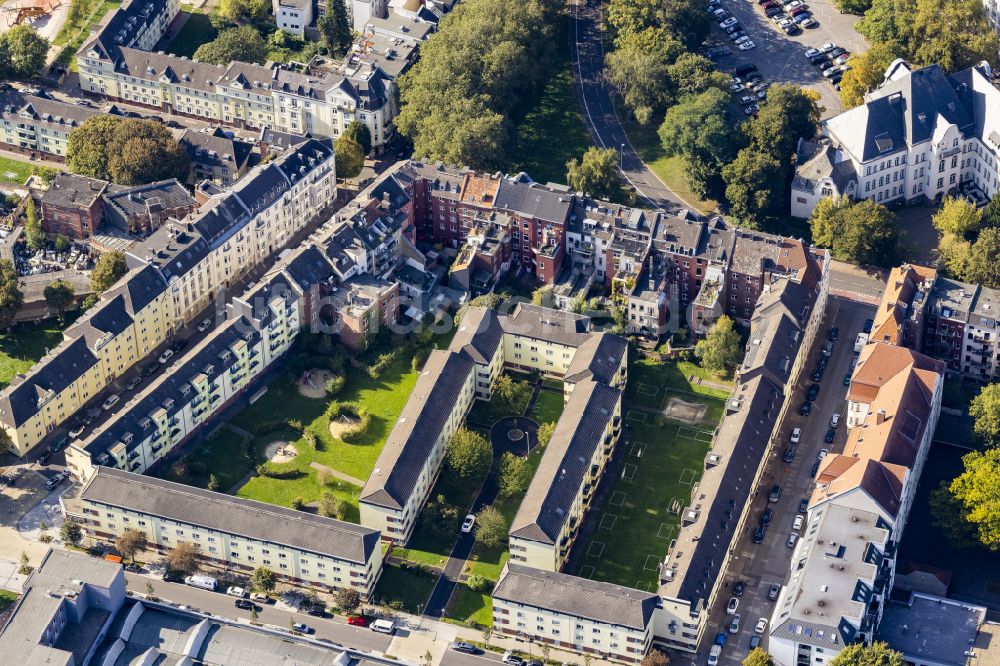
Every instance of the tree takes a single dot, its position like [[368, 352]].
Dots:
[[545, 433], [953, 255], [150, 589], [108, 269], [515, 474], [358, 131], [698, 129], [862, 232], [693, 74], [183, 557], [330, 506], [33, 233], [492, 527], [263, 580], [25, 568], [236, 11], [213, 483], [982, 266], [758, 657], [469, 454], [347, 599], [130, 542], [61, 243], [754, 187], [11, 298], [509, 395], [949, 516], [596, 173], [977, 493], [127, 151], [825, 219], [720, 351], [335, 29], [71, 533], [655, 658], [543, 295], [60, 295], [985, 409], [639, 68], [957, 217], [859, 654], [348, 157], [242, 44], [23, 52], [991, 213], [867, 73], [790, 113], [858, 7]]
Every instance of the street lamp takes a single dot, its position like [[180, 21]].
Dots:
[[621, 157]]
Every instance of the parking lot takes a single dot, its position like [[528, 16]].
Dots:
[[780, 58]]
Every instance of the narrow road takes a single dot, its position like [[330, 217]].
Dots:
[[596, 101]]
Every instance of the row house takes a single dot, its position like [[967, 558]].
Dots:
[[31, 125], [129, 321], [135, 24], [261, 326], [921, 135], [216, 156], [320, 104], [322, 553]]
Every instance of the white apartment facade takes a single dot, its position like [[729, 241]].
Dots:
[[293, 16]]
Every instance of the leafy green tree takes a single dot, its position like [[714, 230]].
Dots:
[[753, 186], [720, 350], [977, 492], [758, 657], [698, 129], [858, 7], [491, 527], [61, 243], [11, 298], [949, 516], [347, 599], [241, 44], [126, 151], [335, 29], [545, 433], [33, 233], [349, 157], [238, 11], [628, 17], [515, 474], [23, 51], [108, 269], [825, 220], [693, 74], [469, 454], [130, 542], [509, 395], [953, 255], [359, 132], [876, 654], [790, 113], [596, 173], [982, 266], [330, 506], [61, 296], [183, 557], [655, 658], [991, 213], [867, 72], [985, 409], [213, 483], [862, 232], [640, 67], [263, 580], [71, 533], [957, 217]]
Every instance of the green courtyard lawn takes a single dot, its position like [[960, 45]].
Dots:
[[7, 599], [24, 344], [548, 407], [197, 30], [469, 607], [642, 512], [488, 413], [14, 171], [405, 588]]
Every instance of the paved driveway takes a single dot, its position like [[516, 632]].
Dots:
[[780, 58]]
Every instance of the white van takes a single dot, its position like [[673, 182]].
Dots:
[[713, 655], [384, 627], [860, 343], [204, 582]]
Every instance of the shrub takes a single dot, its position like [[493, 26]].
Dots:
[[271, 473], [334, 385], [383, 361], [356, 432], [419, 358], [479, 584], [297, 503]]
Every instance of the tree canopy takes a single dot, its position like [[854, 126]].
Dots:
[[469, 454], [485, 59], [60, 295], [108, 269], [867, 72], [957, 217], [515, 474], [34, 235], [491, 527], [183, 557], [698, 129], [237, 11], [359, 132], [758, 657], [243, 43], [263, 579], [11, 298], [130, 542], [335, 29], [348, 157], [720, 350], [861, 232], [876, 654], [596, 174], [127, 151], [977, 495], [22, 52], [985, 409]]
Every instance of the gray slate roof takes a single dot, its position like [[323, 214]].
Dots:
[[556, 326], [598, 358], [534, 201], [20, 401], [479, 334], [576, 596], [69, 190], [232, 515]]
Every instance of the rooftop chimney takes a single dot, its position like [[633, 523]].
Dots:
[[880, 417]]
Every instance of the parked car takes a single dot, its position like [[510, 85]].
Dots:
[[796, 435], [317, 610], [835, 420], [811, 52], [260, 597], [735, 87], [789, 454], [467, 648], [44, 458], [302, 628], [384, 627], [736, 27], [826, 48], [831, 434], [773, 591], [746, 99], [511, 659], [797, 11], [747, 46], [773, 11], [751, 110], [734, 626], [720, 639], [133, 382], [759, 533], [166, 356], [728, 22], [358, 620], [204, 325], [739, 588], [823, 453], [754, 642], [235, 591], [245, 604], [805, 408], [807, 22], [77, 431], [792, 538], [713, 655], [738, 36], [847, 379], [797, 523], [835, 52], [803, 505], [867, 328], [815, 469], [760, 626], [731, 607], [765, 516], [468, 523], [150, 369], [813, 392], [775, 494], [110, 401], [178, 344]]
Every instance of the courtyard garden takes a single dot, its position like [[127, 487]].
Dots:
[[24, 344]]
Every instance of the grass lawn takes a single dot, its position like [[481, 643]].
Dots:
[[14, 171], [469, 607], [488, 413], [406, 588], [197, 30], [548, 407], [223, 445], [649, 381], [24, 345], [7, 599], [74, 32]]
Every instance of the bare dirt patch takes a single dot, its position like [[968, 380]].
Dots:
[[340, 424], [682, 410], [280, 452], [312, 383]]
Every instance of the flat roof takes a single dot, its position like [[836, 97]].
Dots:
[[932, 628]]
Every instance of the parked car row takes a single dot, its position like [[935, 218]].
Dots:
[[831, 60], [731, 26], [789, 15], [748, 88]]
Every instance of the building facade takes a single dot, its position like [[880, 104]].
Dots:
[[73, 206]]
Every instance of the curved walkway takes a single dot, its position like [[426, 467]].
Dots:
[[596, 101]]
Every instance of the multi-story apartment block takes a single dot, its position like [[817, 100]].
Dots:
[[216, 156], [921, 135], [30, 124], [134, 24], [73, 206], [239, 534], [129, 322], [840, 581], [293, 16], [321, 104], [556, 343], [261, 327], [901, 316], [143, 209]]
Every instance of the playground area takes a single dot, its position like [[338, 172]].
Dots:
[[45, 16]]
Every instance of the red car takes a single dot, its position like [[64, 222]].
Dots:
[[358, 620]]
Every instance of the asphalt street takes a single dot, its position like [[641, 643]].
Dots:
[[218, 603], [761, 565], [596, 101]]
